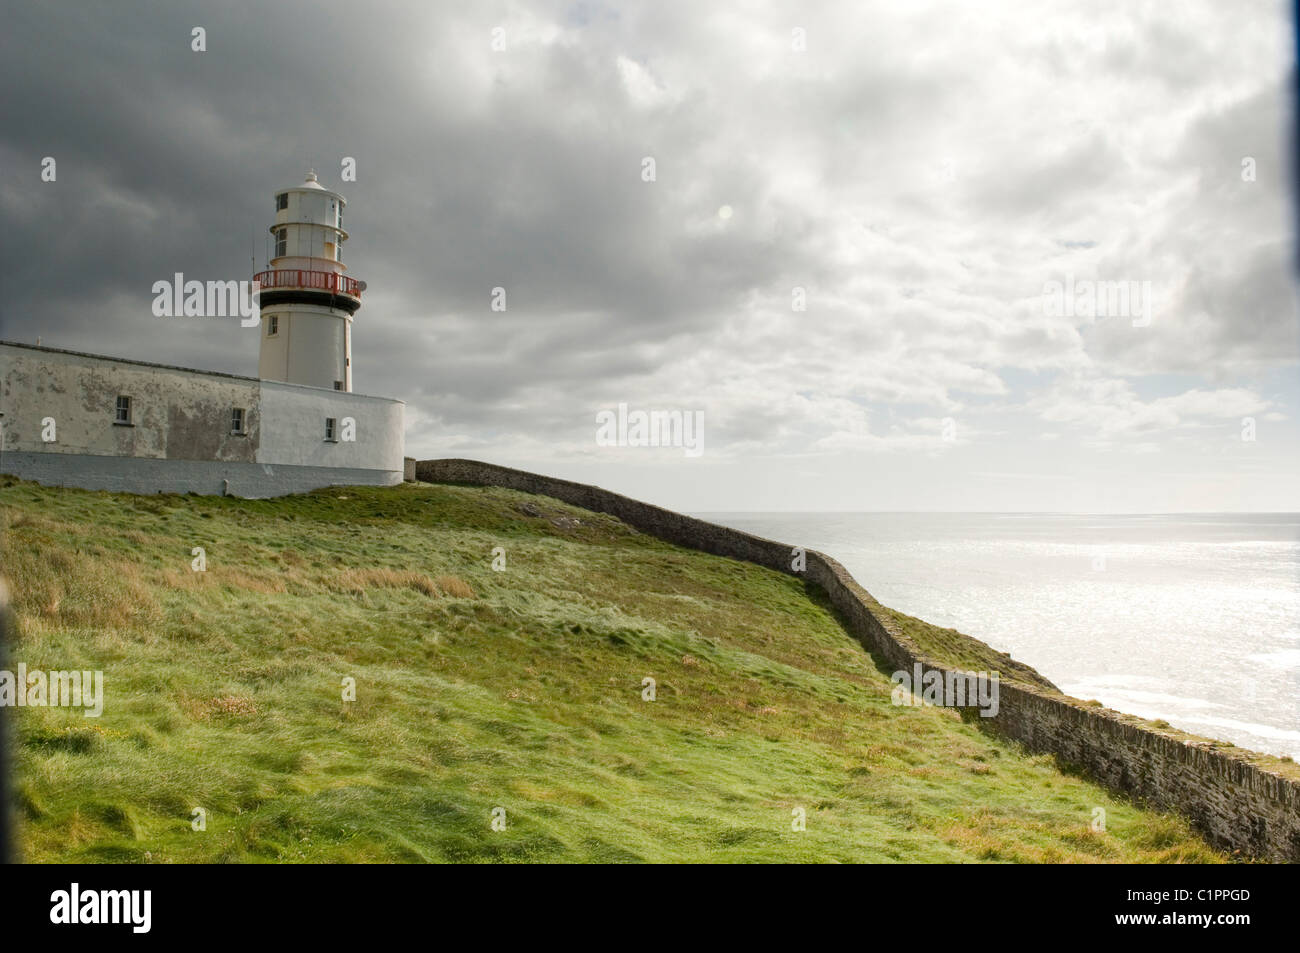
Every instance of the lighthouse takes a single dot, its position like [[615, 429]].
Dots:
[[137, 427], [307, 299]]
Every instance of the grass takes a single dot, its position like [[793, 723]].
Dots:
[[961, 651], [476, 689]]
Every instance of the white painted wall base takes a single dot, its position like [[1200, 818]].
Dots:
[[205, 477]]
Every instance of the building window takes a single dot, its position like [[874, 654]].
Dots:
[[330, 430], [272, 325], [237, 420], [282, 201], [281, 242], [123, 410], [338, 385]]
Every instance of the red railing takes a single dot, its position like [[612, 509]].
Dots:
[[330, 281]]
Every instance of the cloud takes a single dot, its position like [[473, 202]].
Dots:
[[918, 173], [1110, 409]]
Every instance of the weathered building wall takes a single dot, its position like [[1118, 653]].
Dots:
[[1238, 805], [176, 414], [180, 438]]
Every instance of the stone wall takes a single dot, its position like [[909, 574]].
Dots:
[[1236, 804]]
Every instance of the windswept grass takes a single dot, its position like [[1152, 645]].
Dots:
[[358, 581], [522, 690]]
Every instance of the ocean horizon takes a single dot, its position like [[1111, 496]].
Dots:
[[1193, 618]]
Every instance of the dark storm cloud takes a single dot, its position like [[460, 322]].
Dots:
[[920, 174], [167, 159]]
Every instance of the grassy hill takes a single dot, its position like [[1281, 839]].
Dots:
[[478, 689]]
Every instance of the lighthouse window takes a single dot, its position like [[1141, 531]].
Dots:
[[282, 201], [123, 410], [281, 242], [237, 420], [272, 325], [329, 430]]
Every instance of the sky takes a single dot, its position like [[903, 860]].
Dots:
[[851, 260]]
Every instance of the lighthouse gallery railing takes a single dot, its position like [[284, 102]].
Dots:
[[330, 281]]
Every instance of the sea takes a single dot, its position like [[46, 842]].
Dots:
[[1190, 618]]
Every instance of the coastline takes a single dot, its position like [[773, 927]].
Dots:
[[1183, 618], [1241, 800]]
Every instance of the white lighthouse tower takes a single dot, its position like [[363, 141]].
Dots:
[[307, 300]]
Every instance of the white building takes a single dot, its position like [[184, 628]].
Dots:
[[74, 419]]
